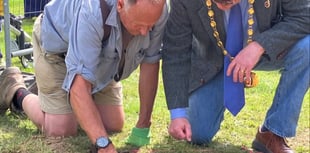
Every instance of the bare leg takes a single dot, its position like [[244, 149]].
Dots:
[[49, 124], [112, 116]]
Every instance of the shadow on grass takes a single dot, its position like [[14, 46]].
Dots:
[[16, 123], [170, 145], [18, 134]]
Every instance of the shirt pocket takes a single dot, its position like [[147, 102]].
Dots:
[[107, 65], [139, 57], [132, 64]]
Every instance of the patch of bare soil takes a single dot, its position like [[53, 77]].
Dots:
[[57, 144]]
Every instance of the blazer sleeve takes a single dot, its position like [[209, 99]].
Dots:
[[292, 26], [176, 56]]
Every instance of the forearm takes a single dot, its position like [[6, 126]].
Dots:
[[148, 83], [85, 109]]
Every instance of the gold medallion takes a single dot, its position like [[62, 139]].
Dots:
[[267, 3]]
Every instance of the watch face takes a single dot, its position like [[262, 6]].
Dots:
[[102, 142]]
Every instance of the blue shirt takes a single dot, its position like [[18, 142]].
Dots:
[[182, 112], [76, 27]]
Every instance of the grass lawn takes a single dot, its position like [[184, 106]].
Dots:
[[19, 135]]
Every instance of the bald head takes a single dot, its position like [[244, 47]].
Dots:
[[139, 16]]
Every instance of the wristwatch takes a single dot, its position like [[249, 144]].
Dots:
[[102, 142]]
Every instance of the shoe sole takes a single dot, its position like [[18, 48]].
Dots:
[[256, 145]]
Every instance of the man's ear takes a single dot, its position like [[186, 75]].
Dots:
[[120, 4]]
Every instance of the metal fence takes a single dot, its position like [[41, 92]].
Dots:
[[17, 41]]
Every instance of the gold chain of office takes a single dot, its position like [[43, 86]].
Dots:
[[216, 33], [253, 77]]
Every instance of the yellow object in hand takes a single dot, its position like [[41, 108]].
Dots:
[[252, 82]]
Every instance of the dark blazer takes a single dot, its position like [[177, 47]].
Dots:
[[191, 56]]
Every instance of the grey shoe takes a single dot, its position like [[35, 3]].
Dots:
[[11, 79]]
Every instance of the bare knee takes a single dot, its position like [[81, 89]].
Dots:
[[113, 117], [60, 125], [114, 127], [60, 132]]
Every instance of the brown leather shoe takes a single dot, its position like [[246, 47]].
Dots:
[[11, 79], [267, 142]]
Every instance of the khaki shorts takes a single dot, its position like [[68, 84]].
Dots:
[[50, 71]]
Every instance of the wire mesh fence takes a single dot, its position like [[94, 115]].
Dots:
[[15, 41]]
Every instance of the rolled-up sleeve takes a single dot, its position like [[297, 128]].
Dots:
[[85, 44]]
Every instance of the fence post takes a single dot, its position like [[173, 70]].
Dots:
[[7, 33]]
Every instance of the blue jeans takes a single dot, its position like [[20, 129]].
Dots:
[[206, 108]]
